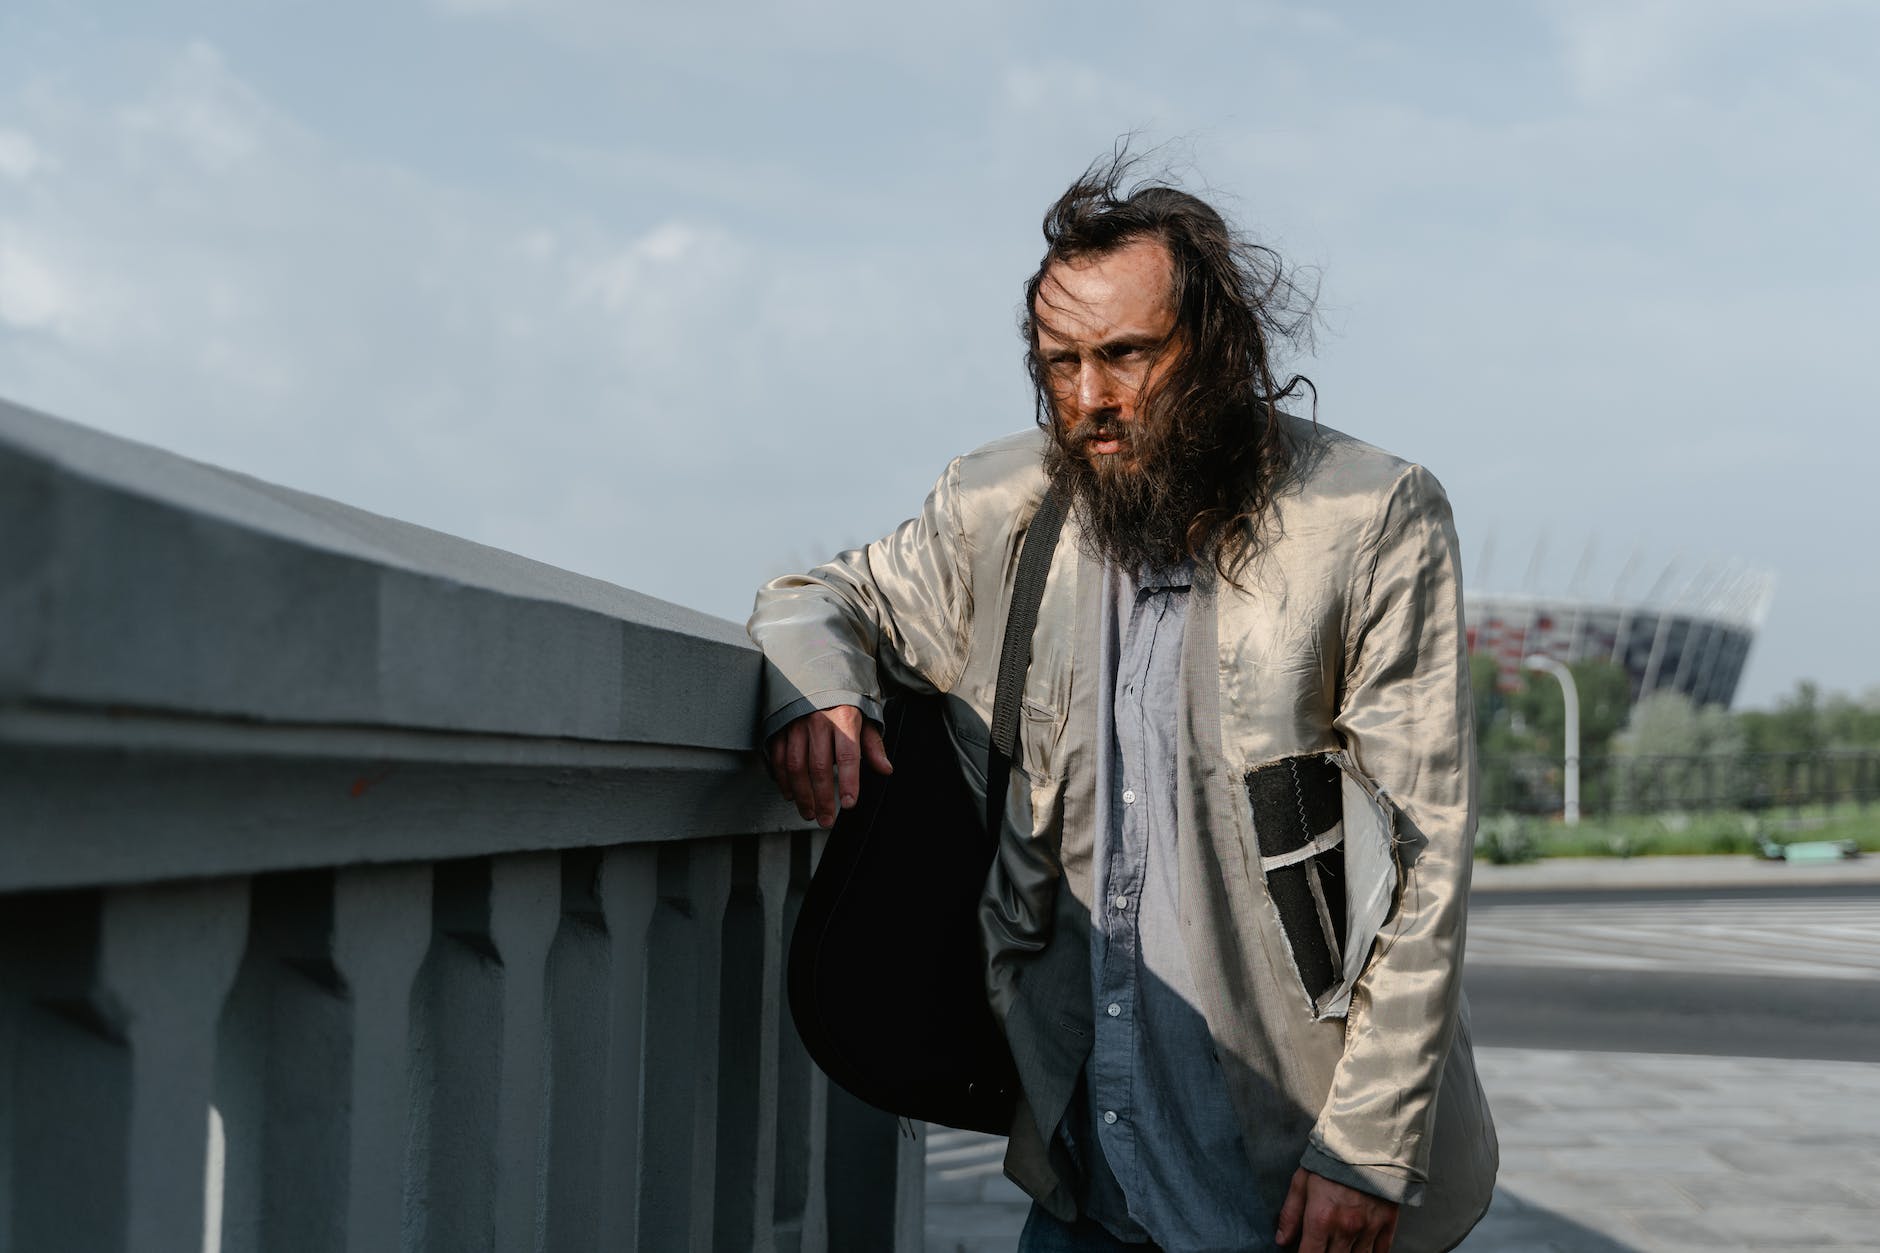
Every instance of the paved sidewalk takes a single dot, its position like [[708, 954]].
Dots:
[[1601, 1153], [1613, 1152]]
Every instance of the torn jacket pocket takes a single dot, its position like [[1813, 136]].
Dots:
[[1324, 834]]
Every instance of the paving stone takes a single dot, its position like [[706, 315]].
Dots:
[[1733, 1114], [1803, 1191], [1746, 1228], [952, 1189], [974, 1221], [998, 1190], [1692, 1161], [1855, 1228], [1511, 1229], [1607, 1120], [1525, 1139], [1609, 1153], [1756, 1155], [1587, 1195]]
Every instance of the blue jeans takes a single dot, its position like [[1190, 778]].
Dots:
[[1045, 1234]]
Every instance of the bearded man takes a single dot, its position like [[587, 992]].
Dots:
[[1224, 929]]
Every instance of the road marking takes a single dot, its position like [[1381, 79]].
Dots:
[[1834, 939]]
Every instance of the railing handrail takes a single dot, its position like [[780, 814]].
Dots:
[[238, 657], [280, 606]]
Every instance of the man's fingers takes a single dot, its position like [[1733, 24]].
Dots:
[[796, 767], [817, 760], [822, 770], [1290, 1212], [875, 750], [848, 760]]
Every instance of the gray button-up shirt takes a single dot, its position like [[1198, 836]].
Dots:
[[1157, 1140]]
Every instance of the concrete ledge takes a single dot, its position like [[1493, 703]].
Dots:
[[132, 578], [205, 675]]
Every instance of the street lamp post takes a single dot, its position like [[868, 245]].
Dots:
[[1572, 695]]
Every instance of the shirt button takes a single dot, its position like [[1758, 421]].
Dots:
[[1129, 796], [1115, 1009], [1109, 1115], [1121, 902]]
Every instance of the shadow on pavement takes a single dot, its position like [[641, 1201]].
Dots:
[[1519, 1226]]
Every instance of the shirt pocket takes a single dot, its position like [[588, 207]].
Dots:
[[1040, 731]]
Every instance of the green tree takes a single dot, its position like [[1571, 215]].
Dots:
[[1851, 722], [1539, 711], [1793, 726], [1667, 724]]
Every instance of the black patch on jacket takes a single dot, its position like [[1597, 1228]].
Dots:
[[1295, 801]]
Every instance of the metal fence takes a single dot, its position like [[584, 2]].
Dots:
[[1531, 783]]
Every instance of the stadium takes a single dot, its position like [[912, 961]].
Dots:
[[1692, 638]]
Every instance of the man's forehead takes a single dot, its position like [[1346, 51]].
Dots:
[[1128, 288]]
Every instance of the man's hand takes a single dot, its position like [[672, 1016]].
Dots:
[[816, 760], [1335, 1219]]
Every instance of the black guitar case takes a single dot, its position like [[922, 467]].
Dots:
[[886, 970]]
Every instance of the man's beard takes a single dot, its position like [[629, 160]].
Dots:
[[1136, 505]]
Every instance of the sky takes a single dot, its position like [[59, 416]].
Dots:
[[685, 299]]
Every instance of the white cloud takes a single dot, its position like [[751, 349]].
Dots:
[[708, 300], [1618, 50], [202, 109], [20, 157], [471, 8], [544, 383], [34, 295]]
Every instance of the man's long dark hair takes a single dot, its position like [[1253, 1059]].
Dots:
[[1235, 302]]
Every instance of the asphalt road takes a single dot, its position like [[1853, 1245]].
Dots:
[[1672, 971]]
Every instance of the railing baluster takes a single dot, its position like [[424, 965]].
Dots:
[[381, 928], [579, 1043], [629, 882], [681, 1112], [803, 1130], [747, 1060], [311, 1081], [12, 1015], [166, 957], [69, 1095], [116, 1064], [773, 879], [477, 1142]]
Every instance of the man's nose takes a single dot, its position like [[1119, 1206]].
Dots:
[[1096, 390]]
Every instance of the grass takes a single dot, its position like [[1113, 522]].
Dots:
[[1508, 838]]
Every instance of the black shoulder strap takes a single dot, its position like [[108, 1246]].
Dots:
[[1034, 564]]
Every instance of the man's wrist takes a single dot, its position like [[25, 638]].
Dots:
[[775, 722], [1379, 1181]]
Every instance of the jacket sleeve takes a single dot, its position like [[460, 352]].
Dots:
[[894, 614], [1406, 719]]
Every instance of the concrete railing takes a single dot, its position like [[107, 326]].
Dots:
[[362, 888]]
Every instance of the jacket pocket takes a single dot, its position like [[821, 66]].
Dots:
[[1299, 825], [1325, 833]]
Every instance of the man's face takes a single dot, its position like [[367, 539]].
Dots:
[[1106, 335]]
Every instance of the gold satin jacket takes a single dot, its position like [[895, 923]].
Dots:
[[1344, 640]]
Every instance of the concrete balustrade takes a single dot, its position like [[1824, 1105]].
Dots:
[[365, 889]]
